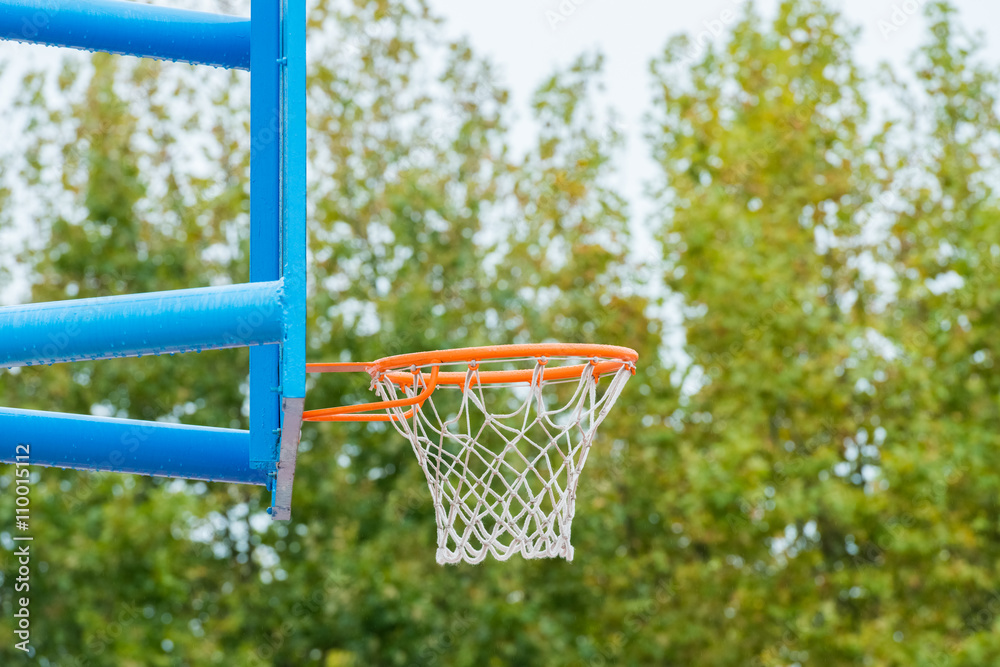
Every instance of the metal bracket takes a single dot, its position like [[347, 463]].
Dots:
[[291, 431]]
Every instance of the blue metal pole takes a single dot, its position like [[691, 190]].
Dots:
[[122, 445], [129, 28], [293, 247], [135, 325], [266, 129], [293, 361]]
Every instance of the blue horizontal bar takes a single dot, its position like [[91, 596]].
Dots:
[[135, 325], [130, 28], [122, 445]]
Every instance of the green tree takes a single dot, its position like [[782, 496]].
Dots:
[[426, 232], [941, 411], [837, 454], [814, 484]]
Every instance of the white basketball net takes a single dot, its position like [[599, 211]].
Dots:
[[504, 483]]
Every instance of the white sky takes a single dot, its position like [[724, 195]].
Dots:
[[519, 36]]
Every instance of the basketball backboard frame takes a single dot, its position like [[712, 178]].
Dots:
[[268, 314]]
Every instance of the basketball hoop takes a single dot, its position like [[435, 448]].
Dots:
[[502, 447]]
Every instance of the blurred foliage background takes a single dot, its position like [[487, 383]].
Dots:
[[812, 479]]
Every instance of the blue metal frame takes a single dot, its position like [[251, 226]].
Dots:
[[268, 314], [293, 247], [130, 28], [135, 325], [266, 128], [125, 445]]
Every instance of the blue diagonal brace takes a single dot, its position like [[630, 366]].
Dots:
[[130, 28]]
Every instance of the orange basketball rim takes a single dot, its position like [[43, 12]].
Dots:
[[425, 368]]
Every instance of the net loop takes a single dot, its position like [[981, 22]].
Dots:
[[501, 448], [503, 462]]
